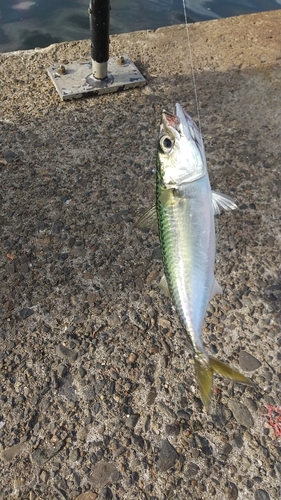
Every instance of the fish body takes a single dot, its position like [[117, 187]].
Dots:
[[185, 209], [187, 236], [186, 221]]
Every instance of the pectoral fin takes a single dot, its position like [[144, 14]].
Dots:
[[168, 197], [222, 201], [148, 220]]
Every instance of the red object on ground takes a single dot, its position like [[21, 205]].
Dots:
[[274, 418]]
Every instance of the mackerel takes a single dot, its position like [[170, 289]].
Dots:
[[184, 212]]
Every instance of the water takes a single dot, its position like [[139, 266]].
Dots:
[[25, 24]]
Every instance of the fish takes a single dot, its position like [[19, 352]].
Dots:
[[184, 214]]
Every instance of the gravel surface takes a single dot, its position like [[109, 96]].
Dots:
[[98, 394]]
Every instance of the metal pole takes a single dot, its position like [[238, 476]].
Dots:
[[102, 74], [99, 28]]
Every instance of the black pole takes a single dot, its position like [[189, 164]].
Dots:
[[99, 27]]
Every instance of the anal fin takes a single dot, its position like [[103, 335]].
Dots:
[[164, 287], [216, 290]]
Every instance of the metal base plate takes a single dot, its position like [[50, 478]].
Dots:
[[75, 80]]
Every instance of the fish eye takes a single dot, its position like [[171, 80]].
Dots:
[[166, 144]]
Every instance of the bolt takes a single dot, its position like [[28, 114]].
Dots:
[[61, 70], [120, 60]]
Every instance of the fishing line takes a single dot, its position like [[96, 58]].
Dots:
[[191, 63]]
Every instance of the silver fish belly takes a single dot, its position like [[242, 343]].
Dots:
[[188, 248]]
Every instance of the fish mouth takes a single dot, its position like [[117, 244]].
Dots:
[[170, 125], [180, 124], [172, 120]]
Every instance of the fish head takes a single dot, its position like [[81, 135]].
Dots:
[[181, 155]]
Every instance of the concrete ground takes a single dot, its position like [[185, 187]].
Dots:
[[98, 394]]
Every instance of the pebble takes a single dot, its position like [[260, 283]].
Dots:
[[241, 414], [261, 495], [183, 415], [231, 491], [147, 299], [74, 455], [26, 312], [192, 469], [132, 420], [156, 254], [212, 490], [278, 468], [251, 404], [82, 433], [62, 370], [163, 361], [10, 155], [248, 362], [137, 320], [164, 323], [196, 426], [248, 436], [104, 473], [246, 462], [89, 393], [228, 170], [238, 304], [119, 451], [65, 352], [166, 410], [24, 268], [226, 449], [88, 495], [167, 456], [57, 226], [68, 388], [172, 429], [139, 283], [270, 241], [9, 453], [269, 400], [44, 476], [132, 357], [151, 277], [137, 440], [82, 372], [106, 494], [151, 396], [203, 444], [43, 455]]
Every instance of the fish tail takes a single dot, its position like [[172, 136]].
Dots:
[[205, 369]]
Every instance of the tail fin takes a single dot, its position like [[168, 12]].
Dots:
[[204, 372]]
